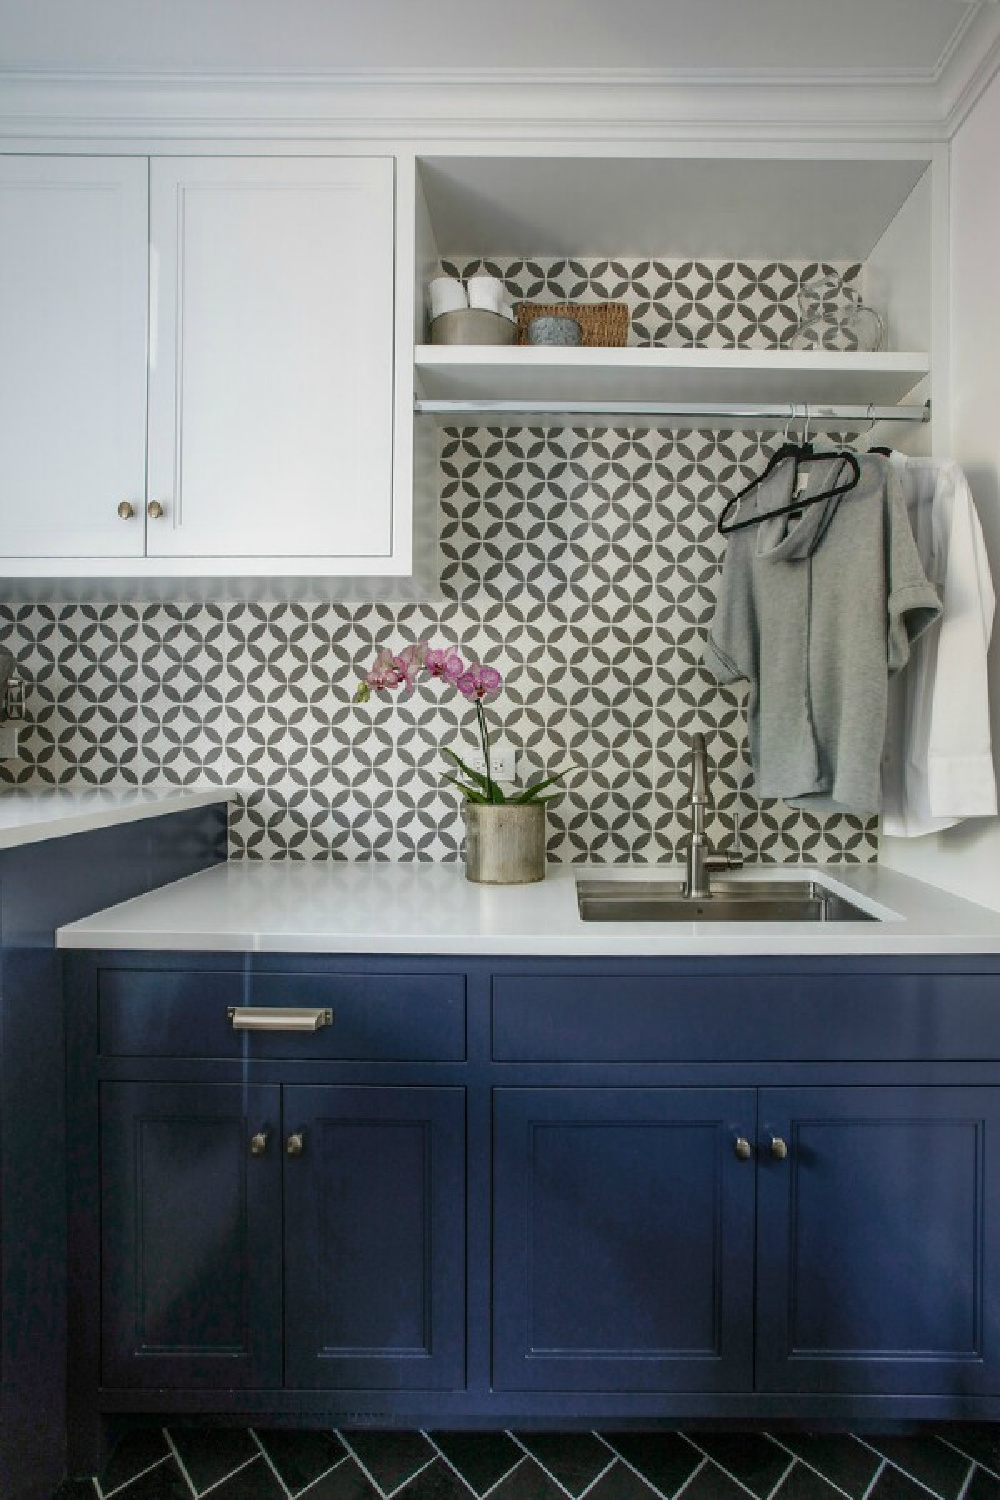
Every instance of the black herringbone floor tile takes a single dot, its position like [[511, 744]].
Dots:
[[391, 1458], [207, 1455], [951, 1463], [300, 1457], [482, 1458], [983, 1486], [664, 1459], [927, 1460], [838, 1457], [136, 1452], [980, 1440], [165, 1482], [574, 1459], [804, 1484], [751, 1458]]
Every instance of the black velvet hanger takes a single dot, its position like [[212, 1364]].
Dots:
[[798, 454]]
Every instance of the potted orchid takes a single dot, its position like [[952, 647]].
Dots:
[[505, 842]]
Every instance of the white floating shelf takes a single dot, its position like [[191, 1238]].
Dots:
[[748, 376]]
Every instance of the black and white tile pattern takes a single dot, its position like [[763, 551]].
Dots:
[[954, 1462], [581, 562]]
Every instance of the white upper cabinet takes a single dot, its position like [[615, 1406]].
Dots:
[[73, 253], [271, 359]]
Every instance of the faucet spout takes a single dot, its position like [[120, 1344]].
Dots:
[[699, 862]]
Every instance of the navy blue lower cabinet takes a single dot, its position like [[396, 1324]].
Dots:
[[255, 1236], [623, 1239], [877, 1224], [375, 1237], [190, 1235]]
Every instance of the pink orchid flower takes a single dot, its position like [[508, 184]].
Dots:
[[445, 663], [474, 682], [478, 682]]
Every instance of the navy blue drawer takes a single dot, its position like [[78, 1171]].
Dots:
[[168, 1013], [371, 1017], [374, 1017], [744, 1018]]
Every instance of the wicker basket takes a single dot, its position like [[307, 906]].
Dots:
[[603, 324]]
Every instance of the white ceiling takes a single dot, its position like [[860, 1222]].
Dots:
[[835, 37]]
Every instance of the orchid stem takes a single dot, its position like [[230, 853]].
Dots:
[[484, 736]]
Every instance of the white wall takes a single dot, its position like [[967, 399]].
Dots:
[[966, 859]]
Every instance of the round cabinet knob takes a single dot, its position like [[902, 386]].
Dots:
[[126, 511], [779, 1149], [743, 1148], [154, 510], [258, 1143], [295, 1144]]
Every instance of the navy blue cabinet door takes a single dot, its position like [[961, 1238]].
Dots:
[[375, 1237], [191, 1235], [623, 1239], [876, 1233]]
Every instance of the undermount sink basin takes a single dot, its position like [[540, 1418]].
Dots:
[[730, 901]]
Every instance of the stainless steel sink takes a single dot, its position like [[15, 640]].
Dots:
[[730, 901]]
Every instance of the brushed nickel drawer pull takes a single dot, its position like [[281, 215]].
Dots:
[[258, 1143], [279, 1018]]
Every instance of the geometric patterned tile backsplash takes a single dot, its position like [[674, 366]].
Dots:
[[581, 562]]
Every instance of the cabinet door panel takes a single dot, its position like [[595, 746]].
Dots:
[[191, 1236], [874, 1241], [272, 358], [623, 1249], [73, 297], [375, 1238]]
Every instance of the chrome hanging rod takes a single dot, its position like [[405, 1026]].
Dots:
[[768, 411]]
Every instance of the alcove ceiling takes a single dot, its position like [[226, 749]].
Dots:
[[903, 39]]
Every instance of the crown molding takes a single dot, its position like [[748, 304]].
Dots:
[[969, 67], [521, 104]]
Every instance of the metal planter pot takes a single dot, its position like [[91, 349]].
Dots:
[[504, 842]]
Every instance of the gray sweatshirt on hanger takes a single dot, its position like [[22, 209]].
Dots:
[[816, 610]]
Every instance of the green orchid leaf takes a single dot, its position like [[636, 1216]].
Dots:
[[468, 792], [362, 694], [530, 793], [476, 776]]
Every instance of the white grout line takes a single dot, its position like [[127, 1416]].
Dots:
[[457, 1472], [907, 1473], [991, 1469], [811, 1467], [107, 1494], [549, 1474], [386, 1494], [781, 1481], [521, 1461], [325, 1475], [968, 1480], [877, 1475], [180, 1463], [267, 1459], [632, 1468], [691, 1477]]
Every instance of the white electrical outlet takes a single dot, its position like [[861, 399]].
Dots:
[[9, 733], [503, 761]]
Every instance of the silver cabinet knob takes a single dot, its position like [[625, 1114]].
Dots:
[[258, 1143], [154, 510], [126, 511], [779, 1149], [295, 1143], [743, 1148]]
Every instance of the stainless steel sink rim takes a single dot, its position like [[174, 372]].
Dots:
[[730, 901]]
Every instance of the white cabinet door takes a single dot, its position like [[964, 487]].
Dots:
[[73, 299], [271, 358]]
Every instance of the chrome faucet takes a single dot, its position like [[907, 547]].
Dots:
[[699, 863]]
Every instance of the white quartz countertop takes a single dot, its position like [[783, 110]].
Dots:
[[423, 908], [28, 815]]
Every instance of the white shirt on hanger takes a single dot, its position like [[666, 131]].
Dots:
[[938, 762]]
